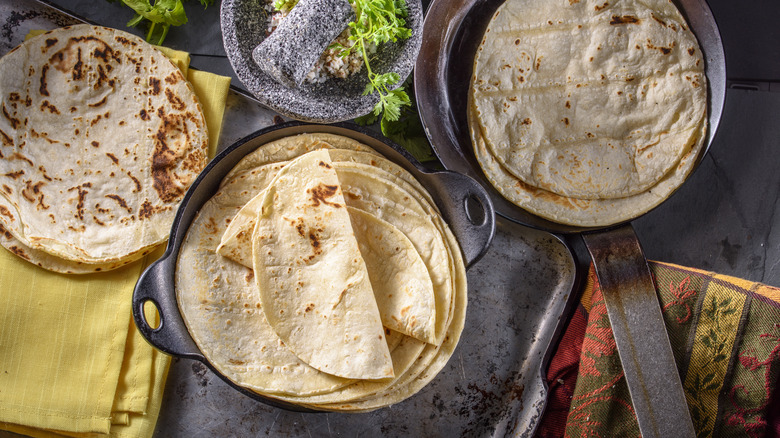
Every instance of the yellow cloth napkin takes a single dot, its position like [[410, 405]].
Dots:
[[72, 362]]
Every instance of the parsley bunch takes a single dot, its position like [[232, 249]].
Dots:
[[165, 13]]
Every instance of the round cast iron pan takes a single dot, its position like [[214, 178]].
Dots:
[[464, 204], [453, 30]]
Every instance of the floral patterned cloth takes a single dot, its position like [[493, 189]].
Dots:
[[725, 335]]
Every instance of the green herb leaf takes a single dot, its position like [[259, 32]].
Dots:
[[159, 15]]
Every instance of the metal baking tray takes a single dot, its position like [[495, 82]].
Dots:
[[519, 294]]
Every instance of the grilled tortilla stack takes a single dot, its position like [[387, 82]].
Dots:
[[101, 137], [288, 243], [588, 112]]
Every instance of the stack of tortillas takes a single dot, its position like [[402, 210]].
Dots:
[[101, 137], [322, 274], [587, 112]]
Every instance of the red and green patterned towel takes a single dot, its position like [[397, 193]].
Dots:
[[725, 334]]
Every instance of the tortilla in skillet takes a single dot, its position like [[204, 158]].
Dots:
[[590, 100], [388, 210]]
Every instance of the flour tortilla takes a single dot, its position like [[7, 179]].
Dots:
[[431, 360], [394, 203], [101, 137], [57, 264], [399, 278], [589, 99], [220, 305], [288, 148], [313, 283], [402, 286], [581, 212]]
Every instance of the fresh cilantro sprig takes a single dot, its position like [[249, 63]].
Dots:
[[160, 15], [378, 22]]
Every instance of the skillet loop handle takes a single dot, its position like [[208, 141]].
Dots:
[[467, 209], [169, 334]]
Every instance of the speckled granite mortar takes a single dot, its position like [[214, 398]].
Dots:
[[244, 24], [290, 52]]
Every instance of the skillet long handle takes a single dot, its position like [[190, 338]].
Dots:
[[640, 334]]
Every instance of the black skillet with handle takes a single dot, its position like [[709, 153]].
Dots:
[[464, 205], [452, 32]]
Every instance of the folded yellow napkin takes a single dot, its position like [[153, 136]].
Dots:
[[72, 362]]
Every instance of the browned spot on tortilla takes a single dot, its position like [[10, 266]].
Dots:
[[13, 121], [15, 175], [174, 100], [19, 252], [112, 157], [7, 140], [124, 41], [526, 121], [664, 50], [43, 88], [148, 210], [236, 362], [4, 211], [603, 6], [99, 103], [624, 19], [321, 193], [32, 193], [95, 144], [119, 200], [174, 78], [135, 181], [82, 194], [568, 104], [565, 121], [5, 233], [174, 166], [316, 245], [691, 51], [20, 157], [154, 86], [300, 227]]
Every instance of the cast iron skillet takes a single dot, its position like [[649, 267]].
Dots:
[[463, 202], [453, 30]]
